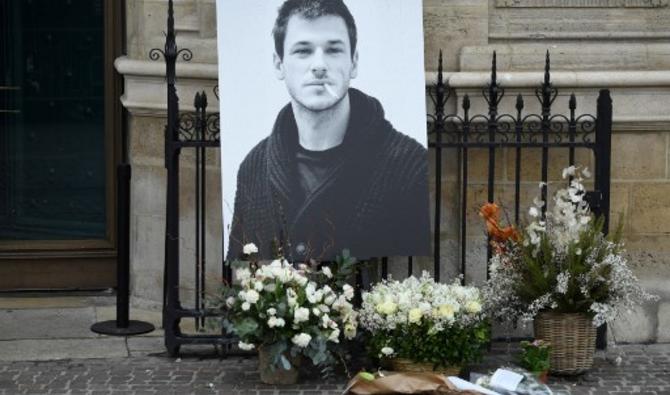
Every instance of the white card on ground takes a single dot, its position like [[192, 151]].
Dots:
[[506, 379], [461, 384]]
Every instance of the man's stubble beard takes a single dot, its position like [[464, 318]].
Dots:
[[321, 112]]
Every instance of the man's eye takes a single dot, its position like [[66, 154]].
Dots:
[[301, 51], [334, 50]]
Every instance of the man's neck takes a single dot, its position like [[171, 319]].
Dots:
[[322, 130]]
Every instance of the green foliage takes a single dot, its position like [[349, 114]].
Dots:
[[540, 267], [453, 346], [535, 356]]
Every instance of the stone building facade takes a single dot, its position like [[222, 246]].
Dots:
[[623, 45]]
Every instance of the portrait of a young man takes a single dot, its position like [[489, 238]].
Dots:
[[332, 172]]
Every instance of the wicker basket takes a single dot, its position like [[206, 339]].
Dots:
[[572, 338], [407, 365]]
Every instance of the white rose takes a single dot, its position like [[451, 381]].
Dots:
[[278, 273], [258, 286], [446, 311], [315, 297], [387, 308], [245, 346], [230, 302], [316, 311], [252, 296], [414, 316], [246, 306], [243, 274], [324, 308], [270, 287], [272, 311], [301, 280], [350, 331], [334, 336], [329, 299], [276, 322], [387, 351], [326, 321], [326, 270], [249, 249], [301, 340], [301, 314], [473, 307], [348, 291], [291, 297]]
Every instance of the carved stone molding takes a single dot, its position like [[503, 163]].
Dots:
[[581, 3]]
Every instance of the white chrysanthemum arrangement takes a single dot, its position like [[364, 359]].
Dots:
[[562, 263], [288, 310], [424, 321]]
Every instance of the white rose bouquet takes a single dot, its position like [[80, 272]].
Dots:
[[425, 321], [289, 311]]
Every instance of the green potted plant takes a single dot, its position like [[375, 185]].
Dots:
[[535, 358], [560, 272], [289, 314], [421, 325]]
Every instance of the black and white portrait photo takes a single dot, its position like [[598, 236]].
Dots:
[[323, 128]]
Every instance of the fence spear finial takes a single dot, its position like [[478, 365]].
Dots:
[[197, 101], [494, 75], [546, 69], [439, 69], [573, 102]]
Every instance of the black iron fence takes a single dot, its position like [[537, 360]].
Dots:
[[463, 132]]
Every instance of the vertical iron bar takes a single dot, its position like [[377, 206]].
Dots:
[[439, 129], [572, 128], [123, 234], [197, 105], [385, 268], [492, 127], [203, 255], [602, 176], [546, 110], [604, 153], [464, 186], [171, 319], [518, 128], [410, 267]]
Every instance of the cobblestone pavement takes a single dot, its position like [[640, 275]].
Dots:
[[643, 369]]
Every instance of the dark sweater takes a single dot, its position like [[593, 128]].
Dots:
[[374, 201]]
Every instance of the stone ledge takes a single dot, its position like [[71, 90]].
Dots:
[[134, 67]]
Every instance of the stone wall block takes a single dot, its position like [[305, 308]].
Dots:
[[147, 141], [531, 163], [147, 256], [638, 156], [650, 212], [449, 26]]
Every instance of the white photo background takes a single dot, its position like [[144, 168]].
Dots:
[[390, 68]]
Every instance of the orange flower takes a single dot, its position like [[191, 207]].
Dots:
[[490, 211], [491, 214]]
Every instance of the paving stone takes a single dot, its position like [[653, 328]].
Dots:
[[47, 323], [648, 374]]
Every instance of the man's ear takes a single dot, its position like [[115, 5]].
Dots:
[[354, 65], [278, 66]]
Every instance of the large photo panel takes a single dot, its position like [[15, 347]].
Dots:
[[323, 128]]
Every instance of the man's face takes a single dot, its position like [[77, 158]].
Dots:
[[317, 64]]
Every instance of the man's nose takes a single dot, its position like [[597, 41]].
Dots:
[[319, 64]]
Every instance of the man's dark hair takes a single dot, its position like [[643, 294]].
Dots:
[[311, 9]]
